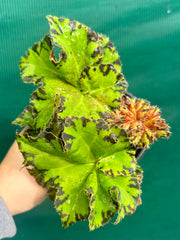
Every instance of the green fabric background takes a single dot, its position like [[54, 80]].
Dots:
[[146, 34]]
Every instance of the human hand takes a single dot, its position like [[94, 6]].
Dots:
[[18, 188]]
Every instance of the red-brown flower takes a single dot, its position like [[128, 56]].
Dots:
[[141, 122]]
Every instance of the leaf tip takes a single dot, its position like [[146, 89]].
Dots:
[[48, 16]]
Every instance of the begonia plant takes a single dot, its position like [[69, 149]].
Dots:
[[82, 130]]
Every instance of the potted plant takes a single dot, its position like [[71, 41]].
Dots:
[[84, 132]]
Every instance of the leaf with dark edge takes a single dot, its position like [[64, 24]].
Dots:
[[64, 77], [73, 162], [109, 194], [45, 107], [103, 83], [35, 65], [70, 201], [112, 157], [128, 191], [25, 118], [80, 47], [110, 54]]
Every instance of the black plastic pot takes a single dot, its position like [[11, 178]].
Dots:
[[141, 151]]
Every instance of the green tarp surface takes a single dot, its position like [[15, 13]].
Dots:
[[146, 34]]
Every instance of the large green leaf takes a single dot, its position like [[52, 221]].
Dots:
[[78, 163], [84, 141], [87, 75], [81, 47]]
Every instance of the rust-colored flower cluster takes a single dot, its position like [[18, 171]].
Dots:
[[141, 122]]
